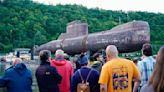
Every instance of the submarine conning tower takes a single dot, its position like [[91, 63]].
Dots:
[[74, 29]]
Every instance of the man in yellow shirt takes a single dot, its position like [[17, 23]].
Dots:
[[117, 74]]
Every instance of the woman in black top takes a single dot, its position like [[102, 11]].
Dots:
[[47, 76]]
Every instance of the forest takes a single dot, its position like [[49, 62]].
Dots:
[[24, 23]]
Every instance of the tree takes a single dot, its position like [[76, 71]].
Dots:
[[24, 23]]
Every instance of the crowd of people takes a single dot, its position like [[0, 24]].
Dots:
[[89, 74]]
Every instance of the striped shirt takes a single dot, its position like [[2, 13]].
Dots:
[[146, 67]]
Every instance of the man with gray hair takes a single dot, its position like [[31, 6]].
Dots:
[[17, 78], [117, 73], [65, 69], [16, 61]]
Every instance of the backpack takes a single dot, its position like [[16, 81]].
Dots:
[[84, 85]]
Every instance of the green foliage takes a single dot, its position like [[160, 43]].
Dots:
[[24, 23]]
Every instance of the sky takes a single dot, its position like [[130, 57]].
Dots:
[[156, 6]]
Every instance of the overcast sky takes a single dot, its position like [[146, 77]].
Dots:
[[156, 6]]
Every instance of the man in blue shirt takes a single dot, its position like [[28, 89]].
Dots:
[[17, 78], [146, 65]]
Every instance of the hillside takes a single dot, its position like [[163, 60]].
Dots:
[[24, 23]]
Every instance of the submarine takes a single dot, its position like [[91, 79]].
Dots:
[[127, 37]]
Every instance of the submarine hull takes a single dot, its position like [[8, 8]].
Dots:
[[127, 37]]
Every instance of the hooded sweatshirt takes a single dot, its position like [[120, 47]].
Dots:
[[17, 79], [65, 69]]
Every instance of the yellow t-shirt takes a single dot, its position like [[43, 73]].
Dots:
[[118, 74]]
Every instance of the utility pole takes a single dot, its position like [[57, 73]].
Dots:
[[32, 48], [128, 18], [119, 20], [11, 39]]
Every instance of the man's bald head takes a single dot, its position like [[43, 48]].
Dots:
[[112, 51]]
